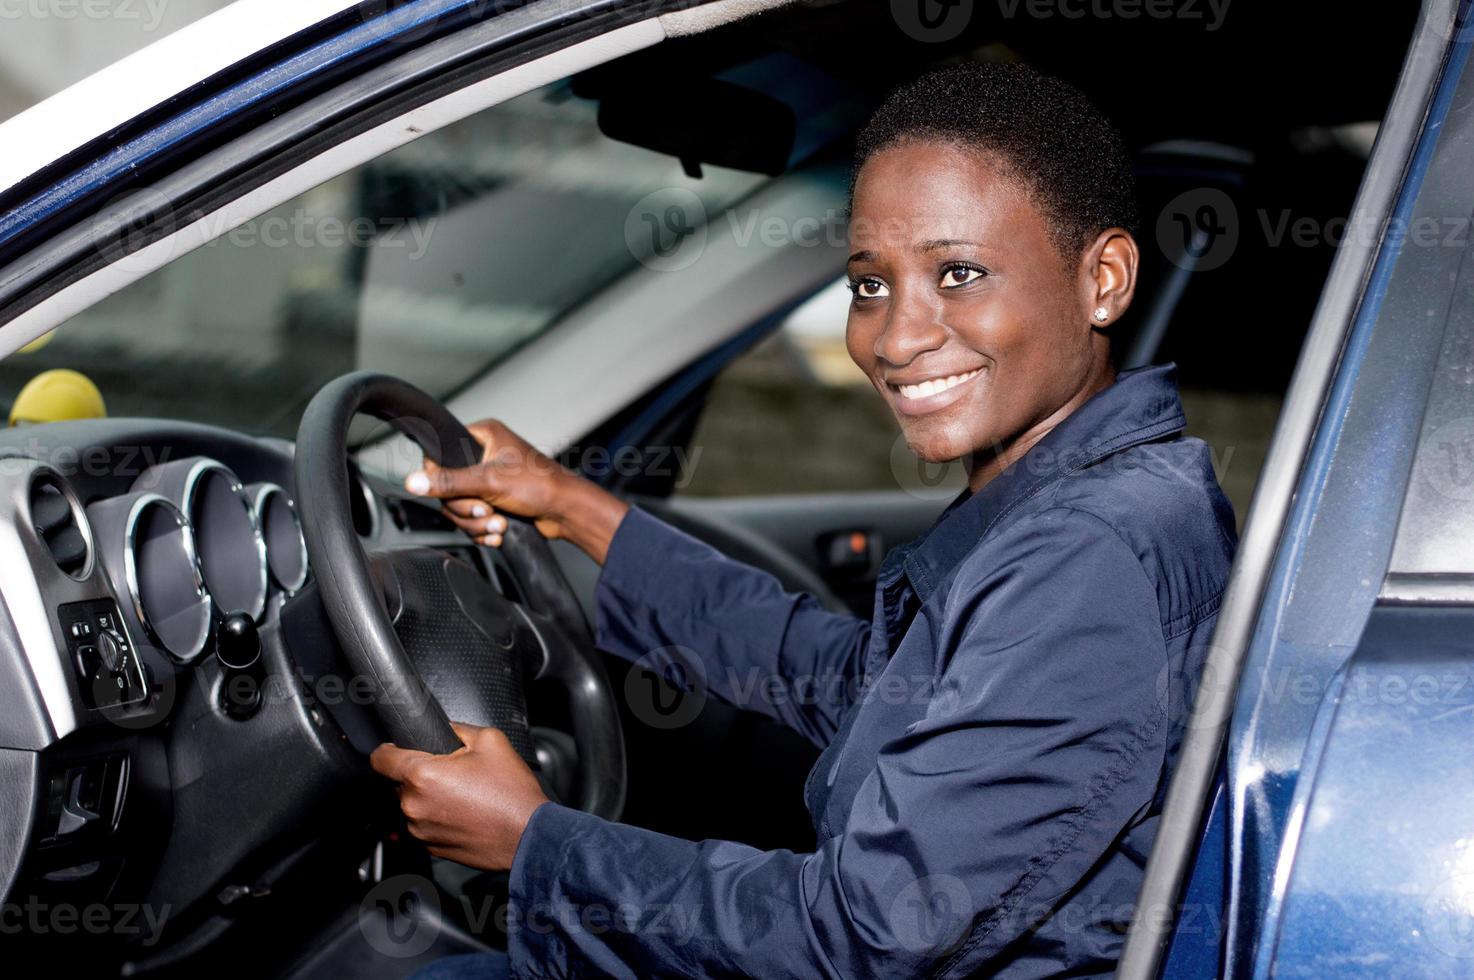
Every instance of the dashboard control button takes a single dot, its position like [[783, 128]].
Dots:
[[113, 656], [108, 670]]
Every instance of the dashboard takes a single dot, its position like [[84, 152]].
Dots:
[[123, 774]]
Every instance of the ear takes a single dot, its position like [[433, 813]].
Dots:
[[1109, 275]]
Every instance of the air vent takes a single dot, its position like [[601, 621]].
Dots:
[[55, 520]]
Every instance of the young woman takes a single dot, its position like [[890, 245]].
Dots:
[[998, 745]]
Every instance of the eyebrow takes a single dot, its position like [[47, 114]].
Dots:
[[937, 244], [930, 245]]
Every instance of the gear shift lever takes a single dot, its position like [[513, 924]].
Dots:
[[238, 647]]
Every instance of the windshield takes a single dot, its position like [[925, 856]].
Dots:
[[433, 262]]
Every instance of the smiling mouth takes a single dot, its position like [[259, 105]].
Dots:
[[935, 386]]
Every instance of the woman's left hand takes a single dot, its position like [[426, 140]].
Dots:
[[470, 806]]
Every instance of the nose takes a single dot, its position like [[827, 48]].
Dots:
[[911, 328]]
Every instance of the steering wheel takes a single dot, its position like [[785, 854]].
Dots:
[[431, 634]]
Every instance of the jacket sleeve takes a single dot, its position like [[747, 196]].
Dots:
[[1042, 742], [679, 608]]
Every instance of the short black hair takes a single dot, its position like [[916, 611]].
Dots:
[[1041, 130]]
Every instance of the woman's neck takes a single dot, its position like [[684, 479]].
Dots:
[[986, 464]]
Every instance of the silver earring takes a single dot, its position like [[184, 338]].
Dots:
[[1101, 313]]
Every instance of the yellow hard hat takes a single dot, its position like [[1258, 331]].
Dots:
[[57, 396]]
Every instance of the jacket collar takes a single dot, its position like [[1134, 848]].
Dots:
[[1141, 405]]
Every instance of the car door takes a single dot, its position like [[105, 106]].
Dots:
[[1300, 835]]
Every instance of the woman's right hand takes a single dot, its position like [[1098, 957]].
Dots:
[[515, 478]]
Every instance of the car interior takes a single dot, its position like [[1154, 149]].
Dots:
[[490, 260]]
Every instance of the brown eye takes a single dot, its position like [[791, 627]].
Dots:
[[868, 288], [959, 275]]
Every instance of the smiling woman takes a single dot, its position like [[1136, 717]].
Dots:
[[997, 737], [993, 249]]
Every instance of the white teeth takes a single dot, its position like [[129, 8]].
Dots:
[[936, 386]]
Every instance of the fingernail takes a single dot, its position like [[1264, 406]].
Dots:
[[417, 483], [478, 510], [497, 524]]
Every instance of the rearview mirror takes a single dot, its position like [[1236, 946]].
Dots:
[[703, 120]]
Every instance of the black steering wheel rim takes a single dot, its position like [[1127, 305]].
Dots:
[[356, 607]]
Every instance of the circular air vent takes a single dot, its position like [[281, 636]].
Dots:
[[60, 525]]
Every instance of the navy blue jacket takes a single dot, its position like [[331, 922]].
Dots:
[[997, 739]]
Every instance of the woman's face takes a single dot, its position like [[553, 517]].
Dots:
[[965, 317]]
